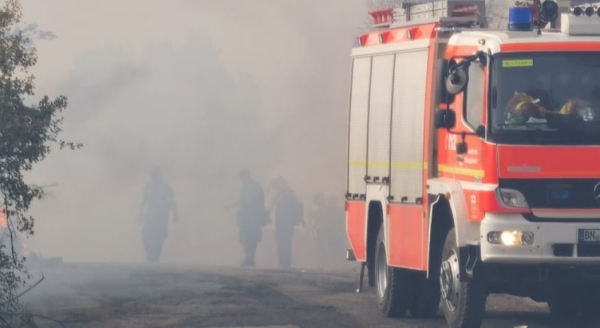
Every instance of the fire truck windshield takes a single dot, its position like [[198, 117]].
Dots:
[[545, 98]]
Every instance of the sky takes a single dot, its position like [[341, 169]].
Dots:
[[200, 88]]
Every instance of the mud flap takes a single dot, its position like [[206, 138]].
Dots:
[[469, 257], [361, 277], [350, 255]]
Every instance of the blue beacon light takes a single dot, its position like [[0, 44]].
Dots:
[[520, 19]]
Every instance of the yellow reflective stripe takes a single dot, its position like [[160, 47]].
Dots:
[[409, 165], [417, 166], [357, 164], [380, 164], [384, 164], [461, 171]]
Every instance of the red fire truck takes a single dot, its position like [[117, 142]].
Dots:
[[474, 158]]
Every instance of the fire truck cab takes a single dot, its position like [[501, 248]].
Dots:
[[474, 158]]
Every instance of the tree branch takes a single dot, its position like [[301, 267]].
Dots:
[[25, 291], [48, 318], [5, 322]]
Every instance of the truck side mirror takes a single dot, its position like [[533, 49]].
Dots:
[[462, 148], [440, 86], [480, 131], [457, 80], [440, 82], [444, 118]]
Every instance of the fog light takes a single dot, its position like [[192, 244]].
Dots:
[[511, 238], [527, 238]]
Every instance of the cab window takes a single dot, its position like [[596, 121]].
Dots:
[[474, 96]]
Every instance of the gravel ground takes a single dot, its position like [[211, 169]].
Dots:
[[110, 295]]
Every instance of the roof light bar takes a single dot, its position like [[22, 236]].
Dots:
[[548, 11], [520, 19], [581, 22], [588, 11]]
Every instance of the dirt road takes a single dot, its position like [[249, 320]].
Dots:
[[85, 295]]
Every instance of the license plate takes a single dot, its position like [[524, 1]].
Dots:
[[589, 235]]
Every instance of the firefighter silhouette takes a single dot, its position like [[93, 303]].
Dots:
[[157, 203], [288, 212], [251, 216]]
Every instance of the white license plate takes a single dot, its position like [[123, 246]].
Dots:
[[589, 235]]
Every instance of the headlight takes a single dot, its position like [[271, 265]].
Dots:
[[511, 238], [512, 198], [586, 114]]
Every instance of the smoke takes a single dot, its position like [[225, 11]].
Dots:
[[201, 89], [32, 30]]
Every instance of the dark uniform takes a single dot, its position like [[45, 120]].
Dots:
[[251, 216], [289, 212], [158, 202]]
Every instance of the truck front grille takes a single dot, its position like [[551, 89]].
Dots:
[[555, 193], [563, 250], [592, 250], [568, 250]]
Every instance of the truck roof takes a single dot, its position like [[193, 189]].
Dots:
[[571, 28], [494, 39]]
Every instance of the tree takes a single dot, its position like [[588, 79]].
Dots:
[[27, 132]]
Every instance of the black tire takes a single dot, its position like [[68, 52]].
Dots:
[[427, 300], [564, 301], [589, 303], [463, 302], [395, 294]]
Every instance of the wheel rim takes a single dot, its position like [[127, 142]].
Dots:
[[449, 281], [382, 271]]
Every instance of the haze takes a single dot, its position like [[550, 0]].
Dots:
[[201, 89]]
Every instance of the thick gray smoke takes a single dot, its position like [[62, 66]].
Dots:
[[201, 89]]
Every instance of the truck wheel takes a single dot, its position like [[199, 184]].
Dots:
[[463, 302], [564, 301], [394, 286], [427, 300]]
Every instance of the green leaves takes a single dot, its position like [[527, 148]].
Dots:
[[27, 132]]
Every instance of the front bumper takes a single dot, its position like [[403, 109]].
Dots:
[[554, 242]]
